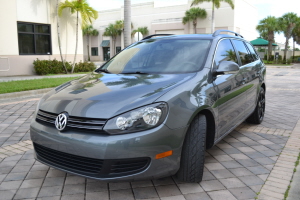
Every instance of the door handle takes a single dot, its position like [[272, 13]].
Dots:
[[258, 73], [244, 81]]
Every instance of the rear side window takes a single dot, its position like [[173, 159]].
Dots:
[[243, 53], [252, 51], [225, 52]]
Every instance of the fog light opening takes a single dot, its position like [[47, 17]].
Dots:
[[164, 154]]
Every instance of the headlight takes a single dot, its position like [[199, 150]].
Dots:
[[140, 119]]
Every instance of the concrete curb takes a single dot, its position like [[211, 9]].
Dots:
[[24, 94]]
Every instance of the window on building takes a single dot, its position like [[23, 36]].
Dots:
[[94, 51], [118, 49], [225, 52], [34, 39], [244, 54]]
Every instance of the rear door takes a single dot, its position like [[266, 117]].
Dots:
[[254, 73], [231, 99], [248, 66]]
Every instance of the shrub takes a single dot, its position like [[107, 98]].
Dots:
[[84, 67], [43, 67], [272, 57]]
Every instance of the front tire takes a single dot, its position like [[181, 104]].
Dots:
[[258, 115], [193, 151]]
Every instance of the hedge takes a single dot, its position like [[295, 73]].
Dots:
[[43, 67]]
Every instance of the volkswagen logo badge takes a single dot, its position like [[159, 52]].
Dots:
[[61, 121]]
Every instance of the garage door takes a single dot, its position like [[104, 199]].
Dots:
[[175, 31]]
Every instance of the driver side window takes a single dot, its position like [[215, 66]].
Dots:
[[225, 52]]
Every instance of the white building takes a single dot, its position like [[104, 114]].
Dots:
[[168, 19], [29, 32]]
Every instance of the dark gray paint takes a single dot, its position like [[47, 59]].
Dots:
[[107, 95]]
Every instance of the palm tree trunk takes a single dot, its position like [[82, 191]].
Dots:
[[293, 49], [88, 46], [58, 38], [114, 45], [285, 49], [269, 49], [127, 23], [73, 66], [213, 18], [195, 26]]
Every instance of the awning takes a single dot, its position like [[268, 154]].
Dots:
[[105, 43], [261, 42]]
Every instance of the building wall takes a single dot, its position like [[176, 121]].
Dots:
[[245, 19], [168, 19], [34, 11]]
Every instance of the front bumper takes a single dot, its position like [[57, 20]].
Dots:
[[109, 150]]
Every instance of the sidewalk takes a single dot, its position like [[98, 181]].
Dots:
[[295, 65], [17, 78]]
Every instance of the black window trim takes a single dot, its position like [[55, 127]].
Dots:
[[256, 56], [236, 52], [33, 33]]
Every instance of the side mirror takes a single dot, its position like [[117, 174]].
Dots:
[[227, 67]]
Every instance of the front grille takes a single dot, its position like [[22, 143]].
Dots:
[[78, 123], [90, 166], [69, 161]]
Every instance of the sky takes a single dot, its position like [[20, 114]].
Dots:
[[265, 7]]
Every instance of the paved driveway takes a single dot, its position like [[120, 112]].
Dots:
[[236, 168]]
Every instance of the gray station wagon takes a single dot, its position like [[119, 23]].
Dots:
[[153, 109]]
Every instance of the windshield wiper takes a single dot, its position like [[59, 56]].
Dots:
[[104, 70], [137, 72]]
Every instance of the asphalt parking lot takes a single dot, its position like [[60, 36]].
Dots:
[[253, 161]]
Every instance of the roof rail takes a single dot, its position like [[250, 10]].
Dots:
[[150, 36], [219, 31]]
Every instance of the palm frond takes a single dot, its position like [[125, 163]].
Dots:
[[230, 2], [65, 5], [193, 14], [196, 2]]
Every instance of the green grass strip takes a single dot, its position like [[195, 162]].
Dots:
[[286, 194], [24, 85], [65, 74]]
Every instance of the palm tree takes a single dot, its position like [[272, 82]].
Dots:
[[215, 3], [89, 31], [286, 24], [268, 27], [143, 30], [296, 35], [86, 12], [58, 38], [127, 22], [192, 15], [113, 31]]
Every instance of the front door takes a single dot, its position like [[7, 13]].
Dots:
[[106, 53], [230, 88]]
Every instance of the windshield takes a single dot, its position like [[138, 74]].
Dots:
[[160, 56]]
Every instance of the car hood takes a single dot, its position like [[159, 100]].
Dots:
[[102, 95]]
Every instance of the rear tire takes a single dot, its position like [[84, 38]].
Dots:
[[193, 151], [258, 115]]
